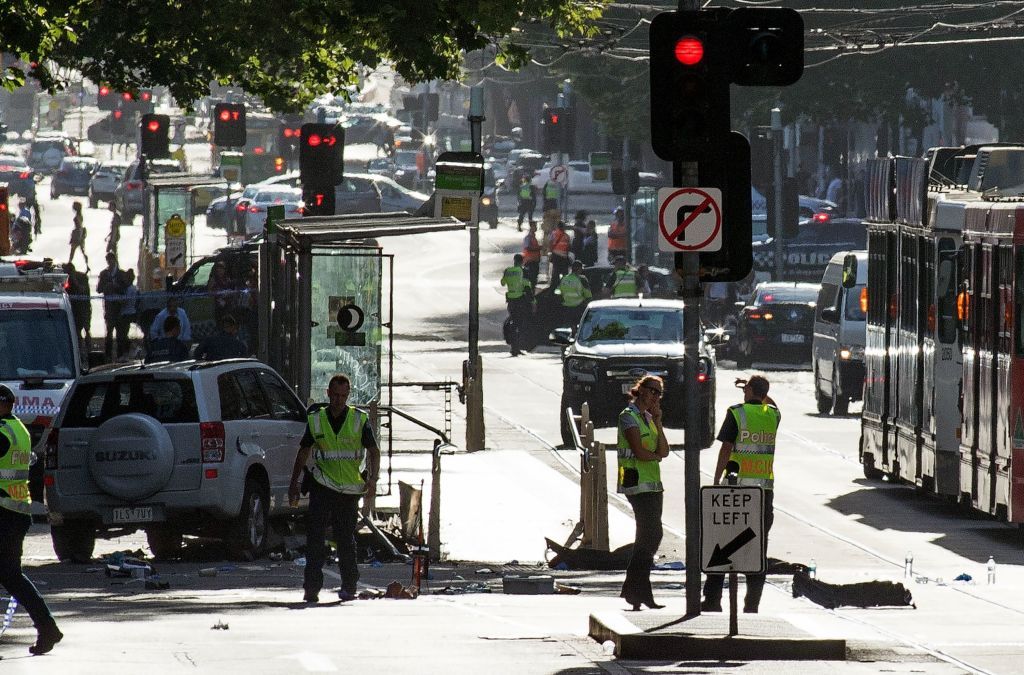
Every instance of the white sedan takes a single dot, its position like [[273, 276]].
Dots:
[[256, 209]]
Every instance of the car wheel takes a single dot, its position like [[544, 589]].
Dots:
[[248, 536], [164, 541], [824, 402], [74, 541], [840, 402]]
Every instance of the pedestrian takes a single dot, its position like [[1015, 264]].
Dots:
[[579, 233], [81, 303], [644, 281], [527, 201], [78, 235], [222, 290], [560, 246], [156, 329], [748, 442], [618, 238], [519, 297], [15, 520], [575, 292], [111, 285], [621, 282], [169, 347], [223, 344], [531, 254], [590, 238], [642, 445], [346, 463], [129, 308], [115, 229]]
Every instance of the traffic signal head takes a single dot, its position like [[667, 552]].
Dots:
[[106, 98], [153, 140], [321, 155], [229, 125], [689, 84], [559, 130], [768, 46], [318, 201]]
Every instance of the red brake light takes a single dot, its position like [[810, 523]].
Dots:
[[702, 377], [768, 298], [689, 51], [23, 175], [258, 151], [211, 441], [821, 217], [287, 132], [240, 208], [3, 207], [754, 315], [254, 209]]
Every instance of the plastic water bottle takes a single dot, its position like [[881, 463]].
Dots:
[[812, 569], [608, 647], [908, 565], [991, 567]]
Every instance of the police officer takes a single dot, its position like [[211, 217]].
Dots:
[[531, 254], [527, 201], [575, 291], [519, 296], [622, 281], [342, 443], [748, 439], [15, 519]]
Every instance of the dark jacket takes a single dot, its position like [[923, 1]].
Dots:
[[166, 349], [221, 346]]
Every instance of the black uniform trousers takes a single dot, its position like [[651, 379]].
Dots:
[[755, 582], [340, 511], [519, 312], [647, 507], [526, 207], [13, 528]]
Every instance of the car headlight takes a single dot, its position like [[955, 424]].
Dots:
[[582, 370], [853, 352]]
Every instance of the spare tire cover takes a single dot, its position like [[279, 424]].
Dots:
[[131, 456]]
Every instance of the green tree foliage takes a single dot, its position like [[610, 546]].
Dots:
[[285, 51]]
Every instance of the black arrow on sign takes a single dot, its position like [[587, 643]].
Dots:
[[721, 554]]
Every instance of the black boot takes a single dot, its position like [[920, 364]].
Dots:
[[46, 639]]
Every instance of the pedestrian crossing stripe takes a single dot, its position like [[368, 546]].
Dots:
[[1018, 432]]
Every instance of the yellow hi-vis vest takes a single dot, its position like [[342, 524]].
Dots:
[[648, 470], [572, 290], [14, 466], [624, 284], [525, 191], [552, 190], [338, 457], [754, 450], [515, 282]]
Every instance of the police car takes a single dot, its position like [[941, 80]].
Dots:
[[41, 357]]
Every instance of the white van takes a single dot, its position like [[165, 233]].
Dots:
[[837, 351], [40, 359]]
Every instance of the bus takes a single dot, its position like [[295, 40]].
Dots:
[[944, 355], [263, 155]]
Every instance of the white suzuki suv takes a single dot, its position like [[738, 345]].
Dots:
[[172, 448]]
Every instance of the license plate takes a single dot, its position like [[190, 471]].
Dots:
[[626, 387], [132, 514], [790, 338]]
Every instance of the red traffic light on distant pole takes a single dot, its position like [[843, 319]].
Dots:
[[321, 154], [153, 138], [229, 125]]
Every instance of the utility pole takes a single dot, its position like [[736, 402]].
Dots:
[[475, 433], [777, 188]]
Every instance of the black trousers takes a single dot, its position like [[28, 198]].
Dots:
[[647, 507], [755, 582], [13, 528], [340, 511], [526, 207], [519, 311], [531, 270]]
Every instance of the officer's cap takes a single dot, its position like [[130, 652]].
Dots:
[[6, 395]]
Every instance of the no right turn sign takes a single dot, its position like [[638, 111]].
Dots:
[[689, 219]]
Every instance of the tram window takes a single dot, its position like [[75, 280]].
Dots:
[[945, 291], [1018, 302]]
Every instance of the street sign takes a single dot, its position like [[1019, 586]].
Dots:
[[600, 167], [458, 182], [174, 249], [732, 529], [560, 174], [231, 166], [689, 219]]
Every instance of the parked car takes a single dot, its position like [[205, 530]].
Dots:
[[381, 166], [172, 449], [619, 341], [255, 219], [369, 193], [19, 176], [130, 194], [47, 149], [72, 177], [776, 321], [406, 171], [219, 208], [104, 182], [840, 333], [807, 254]]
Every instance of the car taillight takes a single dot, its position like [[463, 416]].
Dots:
[[240, 208], [254, 209], [258, 151], [211, 440], [133, 185], [50, 455], [821, 217], [279, 164], [754, 316], [23, 175]]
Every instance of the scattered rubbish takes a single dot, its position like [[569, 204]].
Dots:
[[866, 594], [154, 585], [300, 562], [396, 591], [539, 584], [674, 565], [564, 589], [276, 557], [812, 569], [608, 647], [963, 576], [472, 587], [588, 558], [921, 580], [208, 572], [512, 562], [127, 566], [118, 557], [561, 567], [371, 594], [990, 566], [485, 570], [939, 581], [908, 565], [220, 625]]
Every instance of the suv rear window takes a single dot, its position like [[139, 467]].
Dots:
[[170, 401], [37, 343]]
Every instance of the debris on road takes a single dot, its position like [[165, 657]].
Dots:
[[866, 594], [220, 625]]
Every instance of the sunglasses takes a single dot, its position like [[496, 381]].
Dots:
[[654, 390]]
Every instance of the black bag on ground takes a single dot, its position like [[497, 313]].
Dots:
[[866, 594]]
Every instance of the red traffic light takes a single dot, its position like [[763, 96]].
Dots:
[[117, 114], [154, 125], [146, 95], [104, 91], [126, 96], [313, 140], [554, 118], [689, 51], [225, 114]]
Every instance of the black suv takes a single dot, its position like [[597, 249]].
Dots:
[[620, 341], [776, 321]]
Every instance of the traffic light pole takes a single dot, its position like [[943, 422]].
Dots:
[[777, 187]]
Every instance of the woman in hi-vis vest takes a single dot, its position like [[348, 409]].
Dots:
[[641, 447]]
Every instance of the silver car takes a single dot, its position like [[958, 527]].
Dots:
[[104, 181]]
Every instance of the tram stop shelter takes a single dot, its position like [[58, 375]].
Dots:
[[167, 242], [326, 300]]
